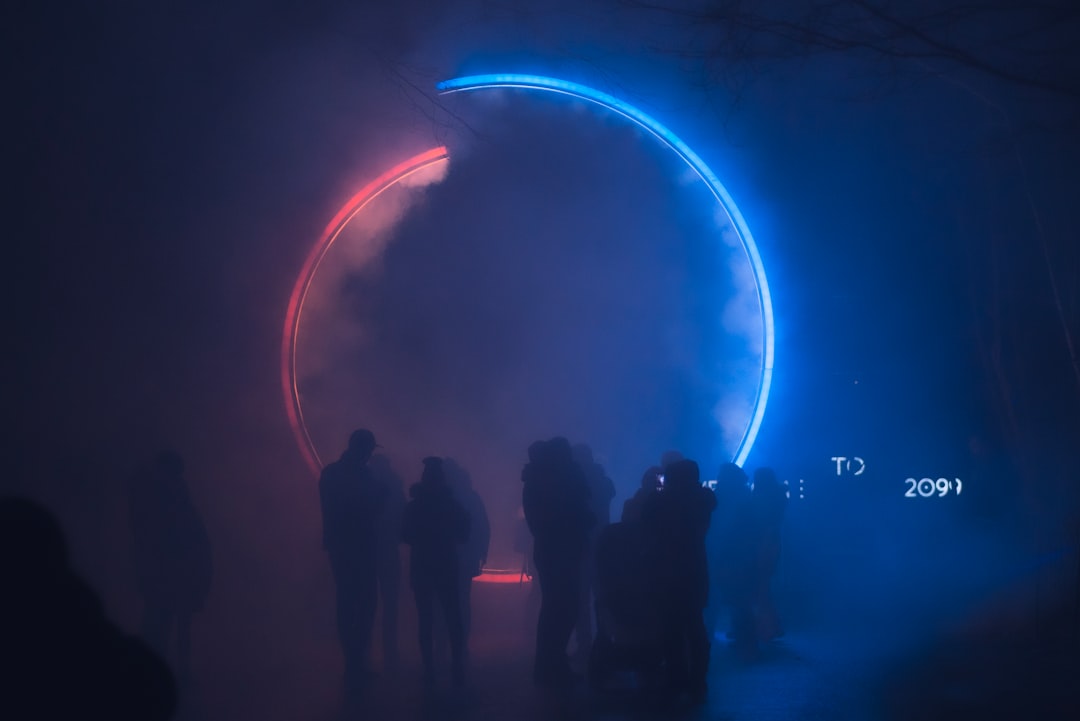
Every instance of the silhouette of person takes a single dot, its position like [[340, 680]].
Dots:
[[555, 497], [172, 557], [352, 508], [634, 506], [472, 555], [389, 560], [434, 525], [601, 492], [601, 487], [676, 520], [61, 656], [523, 544], [768, 500], [651, 481], [669, 457], [734, 553]]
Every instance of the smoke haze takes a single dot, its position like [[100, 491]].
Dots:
[[559, 280], [563, 273]]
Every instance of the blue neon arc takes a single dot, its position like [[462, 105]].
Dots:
[[668, 138]]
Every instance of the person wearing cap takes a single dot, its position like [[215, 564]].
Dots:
[[352, 504], [435, 525]]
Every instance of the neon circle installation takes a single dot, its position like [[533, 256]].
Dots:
[[431, 157], [314, 259], [668, 138]]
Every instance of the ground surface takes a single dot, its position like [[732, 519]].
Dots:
[[820, 672]]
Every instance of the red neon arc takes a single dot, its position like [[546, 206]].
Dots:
[[303, 283]]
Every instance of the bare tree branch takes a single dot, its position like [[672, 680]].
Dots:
[[738, 31]]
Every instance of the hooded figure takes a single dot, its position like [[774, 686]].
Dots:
[[472, 555], [435, 525]]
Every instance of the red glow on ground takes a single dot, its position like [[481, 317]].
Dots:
[[303, 283], [502, 576]]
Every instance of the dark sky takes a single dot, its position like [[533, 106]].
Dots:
[[170, 166]]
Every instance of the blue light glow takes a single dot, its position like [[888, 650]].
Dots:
[[668, 138]]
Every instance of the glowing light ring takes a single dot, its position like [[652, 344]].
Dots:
[[358, 202], [668, 138]]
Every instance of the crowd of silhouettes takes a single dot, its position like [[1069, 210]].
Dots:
[[645, 581], [639, 586], [366, 517]]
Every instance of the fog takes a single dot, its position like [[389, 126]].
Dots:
[[562, 274], [556, 281]]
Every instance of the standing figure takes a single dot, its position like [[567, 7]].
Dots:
[[352, 506], [389, 561], [768, 500], [556, 502], [634, 506], [472, 555], [676, 521], [173, 560], [601, 492], [734, 554], [435, 525], [523, 544]]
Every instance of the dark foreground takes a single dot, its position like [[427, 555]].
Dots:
[[992, 669]]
